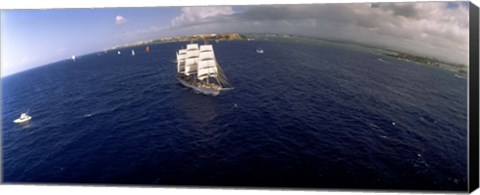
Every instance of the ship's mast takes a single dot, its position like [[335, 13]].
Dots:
[[208, 67], [181, 60], [192, 53], [208, 74]]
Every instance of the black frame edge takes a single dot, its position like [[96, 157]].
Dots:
[[473, 147]]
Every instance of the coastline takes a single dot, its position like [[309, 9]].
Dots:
[[456, 68]]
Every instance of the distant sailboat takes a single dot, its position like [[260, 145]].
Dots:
[[133, 52], [147, 49], [260, 50], [119, 52], [73, 58]]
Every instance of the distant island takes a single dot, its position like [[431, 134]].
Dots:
[[187, 38], [462, 69], [458, 68]]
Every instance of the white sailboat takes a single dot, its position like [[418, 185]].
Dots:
[[119, 52], [197, 68], [73, 58], [133, 52]]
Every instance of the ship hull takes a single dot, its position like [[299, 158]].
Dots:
[[200, 89]]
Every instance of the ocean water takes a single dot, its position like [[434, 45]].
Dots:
[[301, 115]]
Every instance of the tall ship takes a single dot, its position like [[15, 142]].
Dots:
[[197, 68]]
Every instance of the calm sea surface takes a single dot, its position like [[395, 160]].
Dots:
[[301, 114]]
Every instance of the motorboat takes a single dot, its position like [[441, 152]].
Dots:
[[24, 118]]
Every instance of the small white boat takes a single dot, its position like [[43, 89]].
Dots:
[[24, 118], [119, 52], [260, 51], [73, 58], [133, 52]]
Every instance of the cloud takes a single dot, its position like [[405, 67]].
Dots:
[[434, 29], [120, 20], [190, 15]]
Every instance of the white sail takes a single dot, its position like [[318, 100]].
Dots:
[[207, 65], [181, 62], [192, 51], [206, 55], [204, 48], [207, 68], [191, 66], [192, 54], [192, 46], [133, 52]]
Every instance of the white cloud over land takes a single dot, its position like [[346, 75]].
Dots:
[[434, 29], [190, 15]]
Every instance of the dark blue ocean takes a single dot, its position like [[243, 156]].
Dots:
[[301, 115]]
